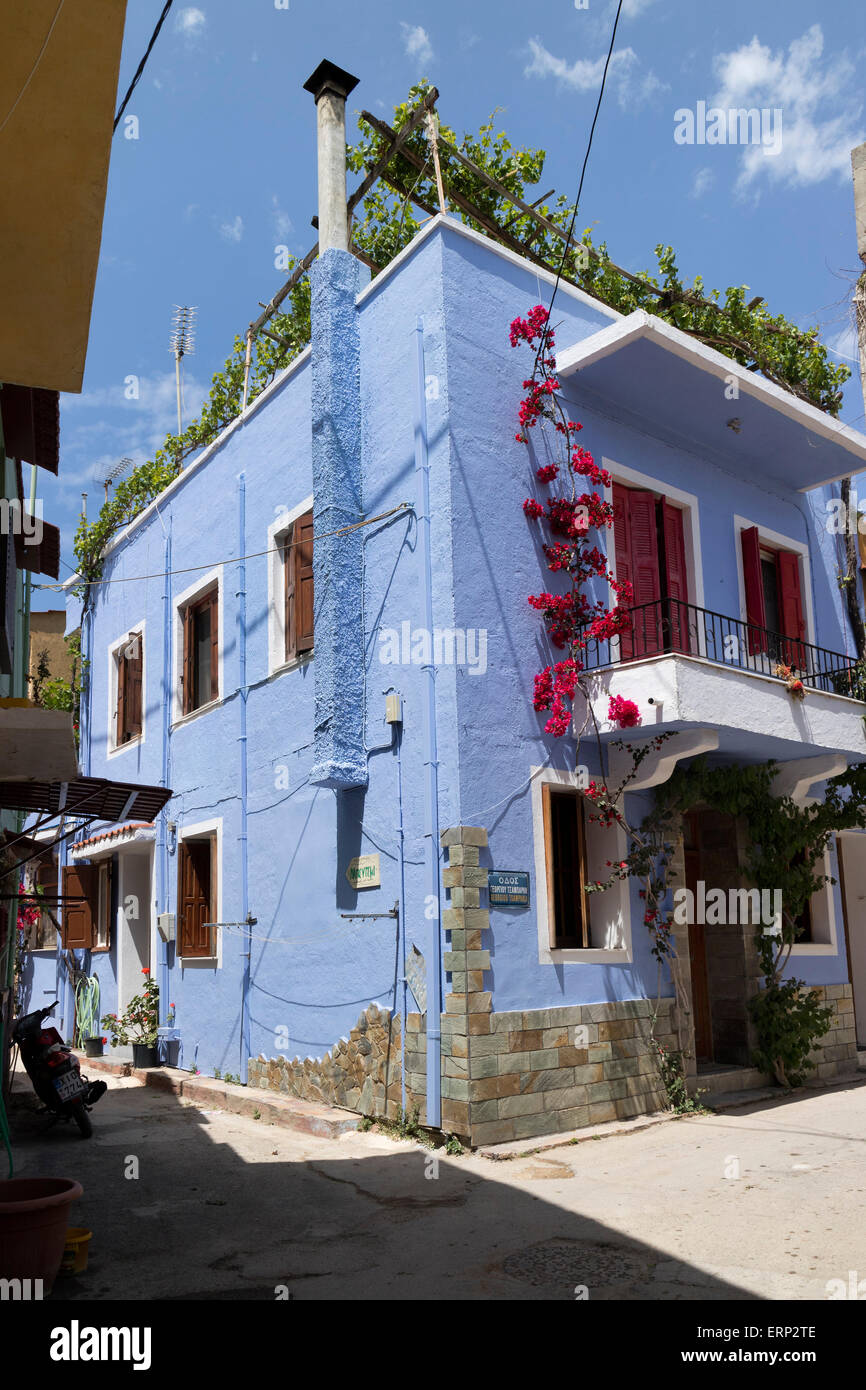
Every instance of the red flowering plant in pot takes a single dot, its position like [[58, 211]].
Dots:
[[137, 1026]]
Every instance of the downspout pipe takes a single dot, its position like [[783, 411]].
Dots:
[[242, 750], [431, 771], [162, 844]]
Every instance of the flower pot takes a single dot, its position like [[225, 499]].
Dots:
[[93, 1047], [34, 1214], [144, 1055]]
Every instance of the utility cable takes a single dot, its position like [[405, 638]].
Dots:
[[567, 242], [9, 114], [140, 69]]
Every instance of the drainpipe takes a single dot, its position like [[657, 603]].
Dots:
[[162, 844], [431, 783], [242, 749]]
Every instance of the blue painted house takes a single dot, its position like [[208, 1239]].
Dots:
[[344, 711]]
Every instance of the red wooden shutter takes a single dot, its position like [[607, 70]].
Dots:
[[195, 898], [754, 585], [303, 535], [79, 918], [188, 657], [214, 646], [289, 592], [643, 539], [791, 607], [622, 552], [676, 579]]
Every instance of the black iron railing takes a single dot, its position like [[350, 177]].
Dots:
[[669, 626]]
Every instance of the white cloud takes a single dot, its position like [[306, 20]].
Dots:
[[283, 226], [234, 230], [818, 99], [416, 42], [632, 8], [190, 22], [704, 180], [585, 74]]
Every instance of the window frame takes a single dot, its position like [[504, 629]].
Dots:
[[278, 658], [114, 683], [213, 582], [774, 541], [211, 832]]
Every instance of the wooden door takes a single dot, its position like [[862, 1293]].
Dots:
[[697, 946]]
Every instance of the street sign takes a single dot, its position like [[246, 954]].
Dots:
[[363, 872], [508, 888]]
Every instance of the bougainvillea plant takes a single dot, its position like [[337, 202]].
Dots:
[[572, 512]]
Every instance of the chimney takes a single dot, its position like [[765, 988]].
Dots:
[[330, 86]]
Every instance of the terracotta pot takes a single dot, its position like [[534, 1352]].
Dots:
[[34, 1214]]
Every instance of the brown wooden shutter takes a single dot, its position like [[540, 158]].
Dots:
[[565, 853], [214, 646], [195, 898], [303, 536], [188, 655], [134, 667], [753, 582], [289, 593], [79, 918], [120, 736], [46, 878]]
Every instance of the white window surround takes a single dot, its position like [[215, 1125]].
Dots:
[[687, 503], [202, 830], [213, 579], [277, 662], [776, 541], [113, 748], [613, 903], [823, 906]]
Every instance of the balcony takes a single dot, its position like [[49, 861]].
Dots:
[[687, 667]]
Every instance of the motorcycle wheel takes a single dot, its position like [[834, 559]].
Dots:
[[82, 1119]]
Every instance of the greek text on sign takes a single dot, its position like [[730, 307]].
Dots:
[[363, 872], [508, 888]]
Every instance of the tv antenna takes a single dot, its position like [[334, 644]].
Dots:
[[114, 473], [182, 343]]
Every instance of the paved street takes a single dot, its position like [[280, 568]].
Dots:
[[229, 1207]]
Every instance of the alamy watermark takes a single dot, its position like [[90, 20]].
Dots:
[[15, 520], [444, 646], [715, 907], [715, 125]]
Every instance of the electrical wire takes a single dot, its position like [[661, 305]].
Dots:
[[9, 114], [140, 69], [582, 174], [233, 559]]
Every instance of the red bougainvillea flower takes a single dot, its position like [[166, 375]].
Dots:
[[623, 712], [547, 473], [533, 508]]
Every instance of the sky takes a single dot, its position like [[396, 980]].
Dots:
[[222, 171]]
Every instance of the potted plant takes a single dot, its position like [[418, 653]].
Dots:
[[93, 1046], [137, 1026]]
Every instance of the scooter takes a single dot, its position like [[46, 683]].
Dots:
[[55, 1071]]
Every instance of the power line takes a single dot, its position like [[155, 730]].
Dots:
[[567, 242], [233, 559], [9, 114], [140, 69]]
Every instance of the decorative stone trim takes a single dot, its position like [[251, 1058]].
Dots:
[[361, 1072], [836, 1052]]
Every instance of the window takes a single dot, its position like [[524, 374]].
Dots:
[[129, 657], [41, 878], [86, 891], [297, 548], [196, 897], [565, 853], [650, 553], [200, 673], [774, 602]]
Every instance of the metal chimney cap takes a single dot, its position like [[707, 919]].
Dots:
[[328, 77]]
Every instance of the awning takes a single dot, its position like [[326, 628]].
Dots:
[[31, 425], [91, 798]]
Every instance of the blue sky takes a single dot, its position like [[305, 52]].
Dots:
[[224, 166]]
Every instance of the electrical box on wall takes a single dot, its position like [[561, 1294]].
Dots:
[[393, 709], [165, 925]]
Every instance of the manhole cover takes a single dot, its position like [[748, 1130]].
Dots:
[[574, 1262]]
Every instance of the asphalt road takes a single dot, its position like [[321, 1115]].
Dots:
[[765, 1202]]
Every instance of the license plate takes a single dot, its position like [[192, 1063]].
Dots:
[[69, 1085]]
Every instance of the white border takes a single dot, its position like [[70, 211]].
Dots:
[[181, 601], [825, 901], [778, 541], [112, 746], [618, 894], [199, 831], [277, 662]]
